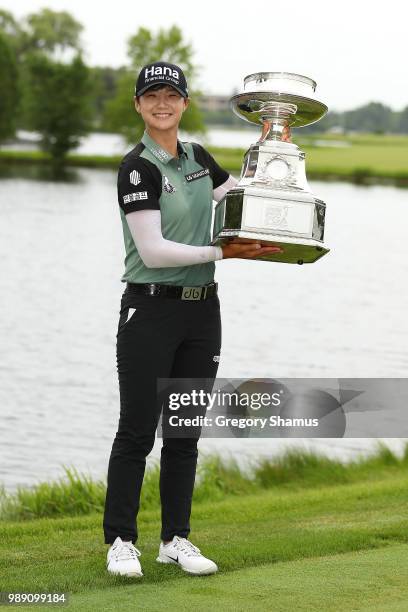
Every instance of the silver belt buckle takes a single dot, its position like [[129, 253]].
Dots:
[[153, 289], [191, 293]]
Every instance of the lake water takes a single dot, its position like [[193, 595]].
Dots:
[[99, 143], [62, 258], [112, 144]]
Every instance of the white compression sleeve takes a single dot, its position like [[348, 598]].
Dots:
[[156, 251], [220, 191]]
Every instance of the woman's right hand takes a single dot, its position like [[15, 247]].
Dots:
[[247, 250]]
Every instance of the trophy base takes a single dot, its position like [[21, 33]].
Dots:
[[292, 220], [295, 251]]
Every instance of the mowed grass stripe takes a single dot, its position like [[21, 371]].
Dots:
[[362, 581]]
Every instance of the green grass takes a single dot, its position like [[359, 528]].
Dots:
[[373, 580], [39, 157], [217, 479], [317, 545], [368, 158]]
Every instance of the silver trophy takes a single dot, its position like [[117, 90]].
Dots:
[[272, 202]]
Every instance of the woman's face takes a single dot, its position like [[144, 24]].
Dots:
[[161, 109]]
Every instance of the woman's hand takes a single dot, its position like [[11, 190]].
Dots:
[[286, 134], [247, 250]]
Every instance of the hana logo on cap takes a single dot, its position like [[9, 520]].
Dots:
[[158, 71]]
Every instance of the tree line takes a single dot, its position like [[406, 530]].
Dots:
[[374, 117], [48, 88]]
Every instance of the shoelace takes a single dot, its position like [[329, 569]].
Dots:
[[126, 551], [186, 546]]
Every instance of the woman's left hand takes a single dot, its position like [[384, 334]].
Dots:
[[286, 134]]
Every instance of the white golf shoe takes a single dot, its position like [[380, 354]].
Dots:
[[183, 553], [123, 559]]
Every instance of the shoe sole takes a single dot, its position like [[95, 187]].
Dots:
[[195, 572], [128, 574]]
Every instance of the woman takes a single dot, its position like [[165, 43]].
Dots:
[[165, 193]]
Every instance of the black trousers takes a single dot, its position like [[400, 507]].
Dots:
[[163, 338]]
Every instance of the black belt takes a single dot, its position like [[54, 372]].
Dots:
[[175, 291]]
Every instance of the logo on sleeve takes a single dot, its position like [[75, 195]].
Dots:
[[134, 197], [193, 176], [134, 177]]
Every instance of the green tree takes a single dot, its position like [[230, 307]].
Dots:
[[48, 31], [402, 121], [12, 31], [143, 48], [58, 105], [9, 86], [54, 81], [372, 117], [52, 32], [329, 121], [103, 88], [167, 45]]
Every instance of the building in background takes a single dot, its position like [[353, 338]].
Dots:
[[213, 103]]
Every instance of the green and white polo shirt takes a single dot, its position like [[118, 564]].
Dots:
[[182, 189]]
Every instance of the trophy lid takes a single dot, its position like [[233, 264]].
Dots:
[[285, 82], [278, 94]]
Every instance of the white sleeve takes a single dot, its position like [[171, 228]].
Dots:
[[220, 191], [157, 252]]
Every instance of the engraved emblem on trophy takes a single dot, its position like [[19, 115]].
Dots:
[[272, 202]]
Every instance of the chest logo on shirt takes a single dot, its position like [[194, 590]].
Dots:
[[167, 186], [134, 177], [193, 176]]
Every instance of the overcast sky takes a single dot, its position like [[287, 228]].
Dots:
[[355, 50]]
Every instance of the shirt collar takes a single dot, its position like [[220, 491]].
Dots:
[[181, 149], [163, 156]]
